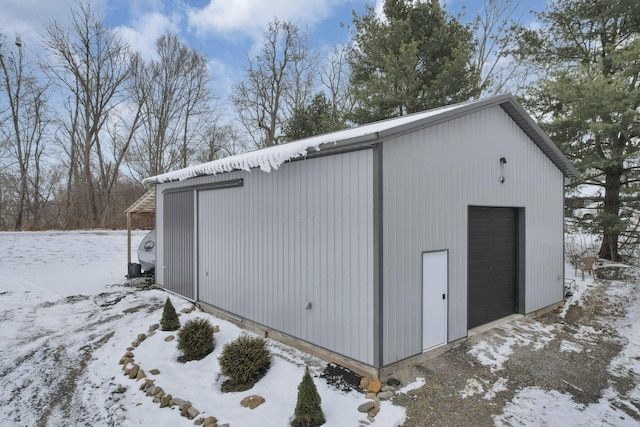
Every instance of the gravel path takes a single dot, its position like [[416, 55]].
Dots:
[[473, 384]]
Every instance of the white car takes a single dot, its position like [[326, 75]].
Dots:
[[147, 252]]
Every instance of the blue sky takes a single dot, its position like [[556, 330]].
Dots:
[[225, 31]]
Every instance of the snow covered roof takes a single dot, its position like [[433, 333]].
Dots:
[[268, 159]]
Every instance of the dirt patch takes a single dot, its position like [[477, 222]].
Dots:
[[570, 355]]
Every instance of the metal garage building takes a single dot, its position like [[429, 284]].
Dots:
[[374, 244]]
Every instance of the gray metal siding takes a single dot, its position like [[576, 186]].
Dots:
[[178, 254], [298, 235], [431, 177]]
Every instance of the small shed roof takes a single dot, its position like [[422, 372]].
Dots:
[[145, 205], [271, 158]]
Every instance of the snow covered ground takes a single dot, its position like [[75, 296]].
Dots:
[[65, 324], [65, 321]]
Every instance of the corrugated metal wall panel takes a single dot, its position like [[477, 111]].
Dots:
[[300, 234], [178, 254], [430, 179]]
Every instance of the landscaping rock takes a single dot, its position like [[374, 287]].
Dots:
[[135, 344], [371, 419], [364, 383], [154, 327], [140, 375], [176, 401], [125, 359], [373, 412], [133, 372], [385, 395], [184, 408], [387, 388], [371, 395], [130, 348], [367, 406], [210, 421], [150, 334], [374, 386], [252, 402], [151, 391], [216, 329], [169, 338], [199, 421], [192, 412], [141, 337], [158, 392], [154, 371], [147, 383], [393, 382], [164, 402]]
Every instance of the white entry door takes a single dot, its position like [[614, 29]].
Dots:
[[434, 299]]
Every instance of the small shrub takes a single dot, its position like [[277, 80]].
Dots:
[[244, 360], [195, 339], [169, 321], [308, 411]]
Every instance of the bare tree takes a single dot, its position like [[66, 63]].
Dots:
[[278, 80], [91, 64], [498, 69], [23, 129], [176, 108], [334, 76]]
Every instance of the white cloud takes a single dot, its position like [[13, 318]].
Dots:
[[142, 33], [250, 17], [28, 17]]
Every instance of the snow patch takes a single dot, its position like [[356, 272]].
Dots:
[[568, 346], [475, 386], [534, 406], [495, 350], [419, 382]]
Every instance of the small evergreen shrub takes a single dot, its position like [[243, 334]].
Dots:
[[308, 411], [244, 360], [195, 340], [169, 321]]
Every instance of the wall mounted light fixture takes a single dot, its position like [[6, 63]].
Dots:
[[503, 161]]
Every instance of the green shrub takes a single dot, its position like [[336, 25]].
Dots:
[[169, 321], [308, 411], [195, 339], [244, 360]]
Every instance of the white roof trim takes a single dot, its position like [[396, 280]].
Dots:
[[271, 158], [268, 159]]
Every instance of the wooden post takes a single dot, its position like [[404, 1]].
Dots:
[[128, 240]]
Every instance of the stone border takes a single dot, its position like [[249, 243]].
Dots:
[[157, 393], [373, 389]]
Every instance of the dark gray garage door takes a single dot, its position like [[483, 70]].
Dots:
[[178, 243], [492, 292]]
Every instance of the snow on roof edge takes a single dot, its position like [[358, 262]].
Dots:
[[271, 158]]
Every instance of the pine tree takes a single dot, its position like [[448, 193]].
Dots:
[[414, 58], [308, 411], [169, 321], [588, 101]]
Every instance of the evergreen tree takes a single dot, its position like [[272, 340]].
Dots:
[[418, 57], [589, 100], [169, 321], [308, 411], [314, 119]]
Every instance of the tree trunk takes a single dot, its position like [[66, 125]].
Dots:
[[611, 208]]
